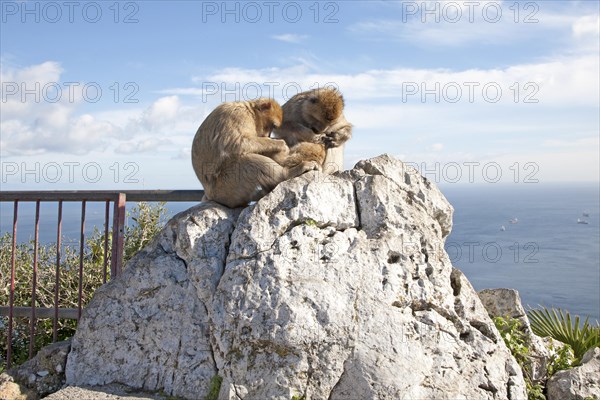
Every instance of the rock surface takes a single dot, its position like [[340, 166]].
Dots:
[[38, 377], [329, 287], [108, 392], [11, 390], [150, 328], [577, 383], [507, 303]]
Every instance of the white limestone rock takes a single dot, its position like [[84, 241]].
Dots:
[[507, 303], [150, 328], [579, 383], [329, 287]]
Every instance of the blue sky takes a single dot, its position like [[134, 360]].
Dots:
[[481, 91]]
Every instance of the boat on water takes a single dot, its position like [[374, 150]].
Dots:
[[514, 220], [582, 221], [502, 228]]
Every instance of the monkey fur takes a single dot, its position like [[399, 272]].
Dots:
[[315, 128], [233, 155]]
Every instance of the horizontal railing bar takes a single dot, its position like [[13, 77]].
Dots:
[[102, 195], [56, 196], [164, 195], [64, 313]]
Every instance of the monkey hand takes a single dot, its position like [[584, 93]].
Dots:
[[335, 138], [311, 166], [281, 147], [280, 152]]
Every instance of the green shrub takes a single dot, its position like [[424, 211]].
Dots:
[[147, 220], [515, 339], [511, 331]]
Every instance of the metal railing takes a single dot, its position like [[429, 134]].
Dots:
[[119, 200]]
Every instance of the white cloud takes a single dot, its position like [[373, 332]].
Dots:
[[163, 110], [143, 145], [437, 147], [563, 81], [460, 23], [35, 120], [582, 143], [34, 126], [587, 25], [184, 154], [439, 23], [290, 37]]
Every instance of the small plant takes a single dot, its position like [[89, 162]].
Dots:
[[215, 388], [558, 325], [148, 220], [511, 331], [535, 392], [310, 222], [562, 359]]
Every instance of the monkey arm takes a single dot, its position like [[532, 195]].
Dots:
[[265, 146], [338, 133], [294, 132]]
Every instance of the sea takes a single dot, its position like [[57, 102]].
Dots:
[[522, 236], [527, 237]]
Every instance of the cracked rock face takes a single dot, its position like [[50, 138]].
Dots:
[[577, 383], [329, 287], [507, 303]]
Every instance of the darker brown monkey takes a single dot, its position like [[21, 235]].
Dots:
[[233, 155], [316, 120]]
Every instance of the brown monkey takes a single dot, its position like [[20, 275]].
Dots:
[[232, 153], [315, 118]]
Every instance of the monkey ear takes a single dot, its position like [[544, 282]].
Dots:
[[264, 105]]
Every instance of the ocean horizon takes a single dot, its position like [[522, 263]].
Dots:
[[521, 236]]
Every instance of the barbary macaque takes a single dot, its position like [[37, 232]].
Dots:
[[234, 157], [316, 120]]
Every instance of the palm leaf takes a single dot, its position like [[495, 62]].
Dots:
[[558, 325]]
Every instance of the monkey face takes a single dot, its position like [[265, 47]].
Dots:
[[270, 126], [322, 107], [268, 116]]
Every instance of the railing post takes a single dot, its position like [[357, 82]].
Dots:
[[34, 283], [118, 236], [81, 257], [12, 288], [57, 272], [105, 258]]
